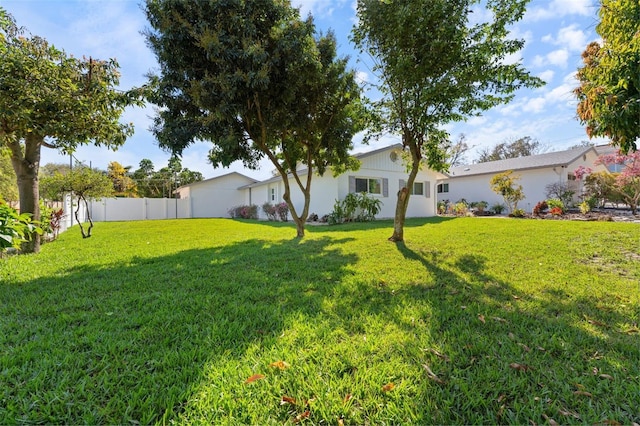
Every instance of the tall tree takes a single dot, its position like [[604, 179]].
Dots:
[[522, 147], [50, 99], [456, 151], [123, 185], [255, 80], [435, 67], [609, 91]]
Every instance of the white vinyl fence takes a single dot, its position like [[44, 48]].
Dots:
[[124, 209]]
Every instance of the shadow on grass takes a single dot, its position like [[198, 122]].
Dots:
[[131, 341], [507, 355], [316, 227], [138, 341]]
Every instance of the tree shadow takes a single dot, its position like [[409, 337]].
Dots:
[[508, 331], [131, 341], [143, 340]]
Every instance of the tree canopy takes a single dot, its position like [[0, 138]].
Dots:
[[522, 147], [256, 81], [50, 99], [609, 91], [152, 183], [435, 67]]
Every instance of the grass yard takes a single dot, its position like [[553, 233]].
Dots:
[[231, 322]]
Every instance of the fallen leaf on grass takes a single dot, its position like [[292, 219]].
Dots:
[[388, 387], [583, 393], [499, 319], [519, 367], [568, 413], [287, 400], [281, 365], [347, 397], [431, 375], [550, 420], [501, 397], [438, 354], [525, 347], [481, 318], [341, 421], [302, 416], [606, 376], [594, 322], [254, 378], [516, 297], [612, 423]]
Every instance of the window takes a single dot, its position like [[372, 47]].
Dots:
[[443, 187], [371, 186], [418, 188], [571, 177], [273, 194]]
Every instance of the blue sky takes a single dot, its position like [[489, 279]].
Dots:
[[556, 32]]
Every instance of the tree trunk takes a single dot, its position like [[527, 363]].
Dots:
[[404, 194], [26, 165]]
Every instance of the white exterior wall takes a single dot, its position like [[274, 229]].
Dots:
[[326, 190], [214, 197], [533, 181]]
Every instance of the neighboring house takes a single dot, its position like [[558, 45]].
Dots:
[[214, 197], [381, 175], [606, 150], [472, 182]]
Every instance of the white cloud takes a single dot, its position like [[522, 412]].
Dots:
[[560, 8], [362, 77], [547, 76], [571, 38], [318, 8], [558, 57], [535, 105]]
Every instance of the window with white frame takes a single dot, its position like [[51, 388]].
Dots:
[[272, 194], [371, 186], [443, 187]]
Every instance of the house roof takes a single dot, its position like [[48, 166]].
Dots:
[[549, 159], [216, 178], [302, 172]]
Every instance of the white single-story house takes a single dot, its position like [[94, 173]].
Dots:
[[472, 182], [381, 175], [214, 197]]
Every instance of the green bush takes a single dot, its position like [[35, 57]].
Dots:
[[555, 202], [498, 208], [15, 228], [357, 207], [517, 213]]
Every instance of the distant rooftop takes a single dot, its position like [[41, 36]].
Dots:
[[549, 159]]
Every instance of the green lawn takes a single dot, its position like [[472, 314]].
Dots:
[[516, 321]]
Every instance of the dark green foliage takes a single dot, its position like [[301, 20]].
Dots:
[[256, 81], [358, 207], [15, 228]]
